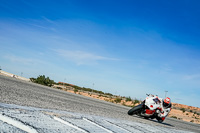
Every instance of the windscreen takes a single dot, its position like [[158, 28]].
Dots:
[[156, 100]]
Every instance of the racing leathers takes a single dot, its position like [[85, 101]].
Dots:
[[164, 109]]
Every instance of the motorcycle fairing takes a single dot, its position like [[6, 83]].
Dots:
[[149, 112]]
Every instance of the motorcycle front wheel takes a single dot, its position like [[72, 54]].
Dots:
[[159, 119]]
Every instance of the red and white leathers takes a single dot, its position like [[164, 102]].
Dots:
[[164, 110]]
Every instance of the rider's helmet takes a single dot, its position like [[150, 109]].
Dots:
[[167, 102]]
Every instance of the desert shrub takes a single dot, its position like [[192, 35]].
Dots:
[[195, 112], [174, 117], [75, 90], [192, 121], [136, 101], [32, 79], [187, 114], [109, 94], [118, 100], [89, 90], [41, 79], [107, 100], [101, 92], [191, 111], [59, 88], [96, 91], [198, 113], [128, 99], [183, 109], [130, 106]]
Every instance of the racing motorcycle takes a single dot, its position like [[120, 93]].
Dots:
[[149, 108]]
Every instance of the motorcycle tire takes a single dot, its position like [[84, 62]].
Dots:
[[135, 110], [159, 120]]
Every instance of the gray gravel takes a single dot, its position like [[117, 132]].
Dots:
[[17, 92]]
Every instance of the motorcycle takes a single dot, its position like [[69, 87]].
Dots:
[[149, 108]]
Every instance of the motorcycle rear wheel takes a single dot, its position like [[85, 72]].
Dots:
[[135, 110]]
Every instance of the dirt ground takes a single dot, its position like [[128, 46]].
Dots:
[[186, 116]]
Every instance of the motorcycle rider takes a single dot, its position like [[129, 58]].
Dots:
[[153, 107], [165, 108]]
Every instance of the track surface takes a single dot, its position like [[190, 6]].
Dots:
[[56, 106]]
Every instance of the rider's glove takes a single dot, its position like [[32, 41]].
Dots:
[[158, 111], [159, 115]]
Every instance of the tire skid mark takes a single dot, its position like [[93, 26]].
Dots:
[[70, 124], [139, 128], [150, 128], [118, 126], [92, 122], [163, 130], [17, 124], [146, 127]]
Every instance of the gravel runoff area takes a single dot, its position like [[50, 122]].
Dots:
[[37, 108]]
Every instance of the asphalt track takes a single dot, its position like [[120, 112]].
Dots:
[[46, 109]]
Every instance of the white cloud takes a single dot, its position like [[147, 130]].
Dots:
[[48, 20], [191, 77], [165, 69], [22, 60], [39, 26], [81, 57]]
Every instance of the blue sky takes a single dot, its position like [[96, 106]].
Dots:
[[127, 48]]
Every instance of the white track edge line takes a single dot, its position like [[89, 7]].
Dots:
[[98, 125], [17, 124], [69, 124]]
